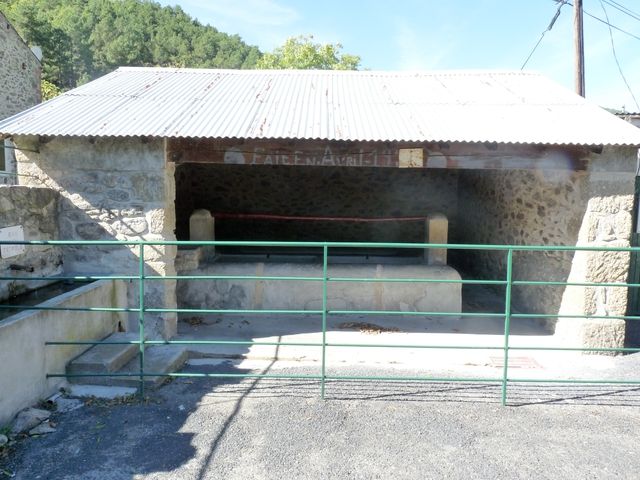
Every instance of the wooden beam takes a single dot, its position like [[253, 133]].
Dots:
[[303, 153]]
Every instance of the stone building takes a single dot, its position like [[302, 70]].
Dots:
[[501, 157], [20, 72]]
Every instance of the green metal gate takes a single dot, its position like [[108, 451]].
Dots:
[[503, 347]]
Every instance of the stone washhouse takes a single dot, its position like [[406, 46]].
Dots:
[[475, 157]]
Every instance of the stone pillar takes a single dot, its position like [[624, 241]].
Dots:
[[202, 229], [201, 226], [437, 229], [607, 222]]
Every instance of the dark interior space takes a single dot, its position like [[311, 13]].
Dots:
[[311, 194]]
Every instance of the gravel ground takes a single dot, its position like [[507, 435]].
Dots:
[[266, 429]]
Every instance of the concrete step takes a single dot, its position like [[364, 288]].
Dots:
[[105, 358], [157, 359]]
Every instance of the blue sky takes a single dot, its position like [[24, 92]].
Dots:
[[446, 34]]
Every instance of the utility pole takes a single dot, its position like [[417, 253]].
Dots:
[[578, 40]]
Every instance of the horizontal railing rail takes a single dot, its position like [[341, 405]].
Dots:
[[137, 247]]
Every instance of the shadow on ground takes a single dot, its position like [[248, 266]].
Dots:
[[190, 425]]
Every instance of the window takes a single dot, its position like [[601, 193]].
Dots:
[[7, 168], [3, 160]]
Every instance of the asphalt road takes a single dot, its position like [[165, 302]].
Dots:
[[281, 429]]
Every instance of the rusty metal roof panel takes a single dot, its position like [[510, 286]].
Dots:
[[449, 106]]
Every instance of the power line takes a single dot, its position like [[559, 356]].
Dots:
[[610, 25], [623, 9], [606, 22], [615, 56], [551, 23]]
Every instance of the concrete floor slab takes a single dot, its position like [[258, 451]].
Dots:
[[204, 428], [387, 333]]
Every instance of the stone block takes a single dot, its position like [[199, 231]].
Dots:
[[91, 231], [156, 221], [437, 228], [201, 226], [130, 226], [410, 297]]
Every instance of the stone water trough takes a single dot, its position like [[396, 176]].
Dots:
[[307, 295]]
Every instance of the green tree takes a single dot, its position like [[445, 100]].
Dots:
[[302, 53], [84, 39], [32, 21], [49, 90]]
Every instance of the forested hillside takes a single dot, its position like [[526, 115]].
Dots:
[[84, 39]]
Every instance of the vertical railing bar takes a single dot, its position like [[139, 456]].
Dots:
[[324, 317], [141, 317], [507, 325]]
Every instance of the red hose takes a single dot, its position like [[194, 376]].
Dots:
[[265, 216]]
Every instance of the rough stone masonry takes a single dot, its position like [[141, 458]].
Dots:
[[125, 189], [36, 211], [112, 189], [20, 72]]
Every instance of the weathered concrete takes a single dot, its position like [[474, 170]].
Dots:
[[188, 259], [100, 391], [201, 226], [111, 190], [160, 359], [25, 358], [106, 358], [437, 227], [36, 210], [299, 295]]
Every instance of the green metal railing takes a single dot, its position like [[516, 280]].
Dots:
[[138, 247]]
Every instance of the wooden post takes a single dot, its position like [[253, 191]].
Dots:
[[578, 40]]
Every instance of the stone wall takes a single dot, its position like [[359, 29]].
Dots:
[[35, 209], [125, 189], [314, 191], [20, 73], [590, 207], [111, 189], [521, 208]]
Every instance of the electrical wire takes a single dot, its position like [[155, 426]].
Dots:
[[622, 9], [606, 22], [551, 23], [615, 56], [611, 25]]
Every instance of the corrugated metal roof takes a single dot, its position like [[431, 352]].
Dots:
[[451, 106]]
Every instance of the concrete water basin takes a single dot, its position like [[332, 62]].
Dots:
[[23, 335]]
